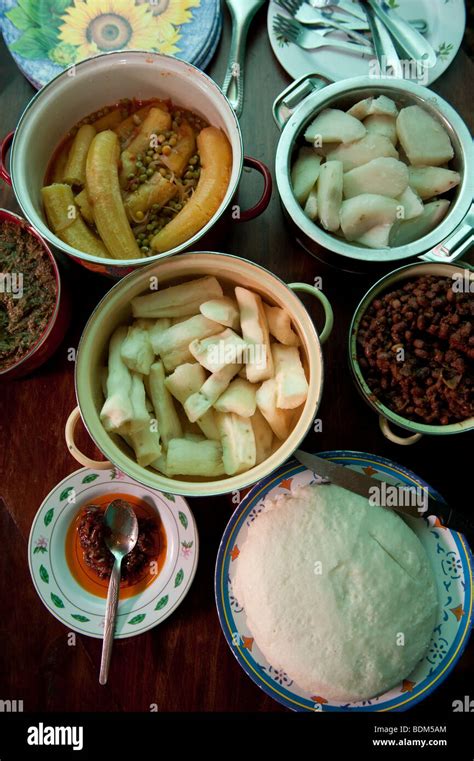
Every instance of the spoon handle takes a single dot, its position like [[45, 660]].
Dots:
[[109, 626], [233, 85]]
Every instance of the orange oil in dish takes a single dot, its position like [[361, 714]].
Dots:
[[86, 576]]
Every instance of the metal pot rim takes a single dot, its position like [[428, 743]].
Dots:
[[321, 98], [381, 285]]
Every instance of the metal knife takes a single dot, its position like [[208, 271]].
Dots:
[[372, 489]]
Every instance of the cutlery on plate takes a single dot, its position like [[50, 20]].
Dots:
[[121, 534], [385, 50], [242, 13], [409, 40], [291, 7], [343, 5], [414, 505], [309, 39], [308, 15]]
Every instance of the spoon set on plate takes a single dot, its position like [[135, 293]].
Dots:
[[389, 36]]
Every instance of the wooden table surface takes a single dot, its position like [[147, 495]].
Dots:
[[184, 664]]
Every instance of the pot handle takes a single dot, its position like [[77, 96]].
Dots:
[[4, 146], [328, 313], [76, 453], [391, 436], [289, 100], [456, 244], [261, 204]]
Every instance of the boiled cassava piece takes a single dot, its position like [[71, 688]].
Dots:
[[339, 594]]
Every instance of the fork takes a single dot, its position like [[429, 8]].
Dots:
[[310, 39], [309, 15], [293, 7]]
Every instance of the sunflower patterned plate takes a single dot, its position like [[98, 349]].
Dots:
[[47, 36], [72, 592], [450, 559]]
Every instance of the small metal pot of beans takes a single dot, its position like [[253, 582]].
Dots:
[[411, 350], [373, 171]]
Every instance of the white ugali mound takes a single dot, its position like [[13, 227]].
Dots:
[[337, 593]]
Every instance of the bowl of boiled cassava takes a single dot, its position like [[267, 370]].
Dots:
[[374, 170]]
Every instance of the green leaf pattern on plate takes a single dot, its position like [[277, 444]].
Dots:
[[182, 519], [66, 492], [137, 619], [89, 478], [161, 603], [44, 575], [78, 617], [49, 516], [57, 600], [169, 496], [179, 577]]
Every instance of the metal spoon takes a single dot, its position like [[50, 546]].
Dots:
[[411, 42], [120, 537], [242, 12], [385, 51]]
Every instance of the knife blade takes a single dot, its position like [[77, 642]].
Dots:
[[408, 501]]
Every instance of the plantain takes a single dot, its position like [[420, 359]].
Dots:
[[103, 189], [66, 222], [216, 165], [75, 169], [157, 190], [179, 157]]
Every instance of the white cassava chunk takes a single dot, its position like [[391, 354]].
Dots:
[[254, 325], [279, 325], [411, 204], [225, 311], [173, 344], [216, 351], [117, 411], [429, 181], [377, 237], [279, 420], [368, 106], [311, 205], [405, 232], [137, 351], [263, 437], [382, 124], [360, 214], [424, 139], [186, 380], [177, 300], [238, 442], [292, 386], [304, 173], [372, 146], [239, 397], [330, 194], [163, 404], [194, 458], [334, 126], [383, 176]]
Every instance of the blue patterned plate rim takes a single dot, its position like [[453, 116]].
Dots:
[[252, 669]]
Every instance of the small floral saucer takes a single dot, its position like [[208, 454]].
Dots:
[[450, 559], [69, 601]]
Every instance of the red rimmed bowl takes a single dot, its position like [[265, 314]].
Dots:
[[98, 82], [58, 323]]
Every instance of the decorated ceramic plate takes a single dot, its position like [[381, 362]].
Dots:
[[446, 22], [73, 592], [47, 36], [450, 558]]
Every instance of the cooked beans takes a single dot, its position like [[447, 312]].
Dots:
[[416, 350]]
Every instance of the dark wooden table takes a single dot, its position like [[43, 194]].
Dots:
[[184, 664]]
